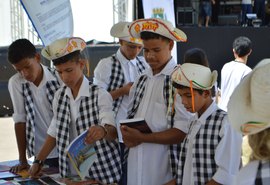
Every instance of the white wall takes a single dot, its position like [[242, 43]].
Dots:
[[5, 28]]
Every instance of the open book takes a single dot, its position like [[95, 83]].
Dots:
[[81, 155]]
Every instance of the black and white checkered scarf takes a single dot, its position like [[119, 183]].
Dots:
[[51, 88], [203, 150], [263, 173], [139, 92], [108, 166], [118, 79]]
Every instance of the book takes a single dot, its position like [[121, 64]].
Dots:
[[8, 175], [81, 155], [137, 123], [4, 168]]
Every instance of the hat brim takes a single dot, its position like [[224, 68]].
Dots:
[[240, 110]]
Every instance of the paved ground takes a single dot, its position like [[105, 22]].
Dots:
[[8, 146]]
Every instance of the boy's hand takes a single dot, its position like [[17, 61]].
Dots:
[[95, 133], [131, 137], [35, 171], [19, 167], [126, 88]]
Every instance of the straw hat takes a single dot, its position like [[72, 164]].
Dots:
[[200, 76], [120, 30], [158, 26], [62, 47], [248, 107]]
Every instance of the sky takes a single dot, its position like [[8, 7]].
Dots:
[[92, 19]]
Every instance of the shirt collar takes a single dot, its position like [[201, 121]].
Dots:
[[123, 60], [167, 70], [83, 91]]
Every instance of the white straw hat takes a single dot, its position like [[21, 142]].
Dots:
[[158, 26], [248, 107], [200, 76], [120, 30], [62, 47]]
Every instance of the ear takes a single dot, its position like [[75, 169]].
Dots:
[[207, 93], [82, 63], [38, 57], [121, 42], [171, 44]]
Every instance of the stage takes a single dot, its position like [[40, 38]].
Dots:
[[217, 43]]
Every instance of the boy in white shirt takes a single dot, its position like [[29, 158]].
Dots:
[[151, 160], [211, 152], [233, 72], [32, 90], [117, 73], [77, 106]]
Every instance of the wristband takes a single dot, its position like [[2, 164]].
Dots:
[[40, 162]]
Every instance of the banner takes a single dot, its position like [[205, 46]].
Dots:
[[163, 9], [52, 19]]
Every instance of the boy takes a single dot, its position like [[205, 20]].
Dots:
[[149, 154], [233, 72], [211, 151], [77, 106], [117, 73], [32, 90], [248, 111]]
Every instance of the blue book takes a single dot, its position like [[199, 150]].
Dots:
[[81, 155]]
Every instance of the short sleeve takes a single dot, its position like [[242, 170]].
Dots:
[[102, 73], [16, 94]]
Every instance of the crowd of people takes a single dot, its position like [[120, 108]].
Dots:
[[192, 139]]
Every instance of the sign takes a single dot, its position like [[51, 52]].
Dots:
[[52, 19], [163, 9]]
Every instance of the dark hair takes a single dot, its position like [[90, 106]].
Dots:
[[196, 56], [242, 46], [146, 35], [74, 56], [21, 49]]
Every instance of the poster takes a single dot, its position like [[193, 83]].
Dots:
[[52, 19]]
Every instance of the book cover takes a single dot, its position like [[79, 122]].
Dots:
[[81, 155], [137, 123], [7, 175], [4, 168]]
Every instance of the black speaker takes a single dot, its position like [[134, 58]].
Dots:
[[185, 16], [183, 3], [228, 20]]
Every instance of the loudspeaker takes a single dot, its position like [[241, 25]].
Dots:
[[228, 20], [185, 16]]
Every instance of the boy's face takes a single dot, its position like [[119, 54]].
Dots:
[[130, 50], [29, 68], [199, 100], [157, 53], [71, 72]]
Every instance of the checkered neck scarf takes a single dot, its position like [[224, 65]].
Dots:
[[175, 148], [108, 166], [118, 79], [263, 173], [139, 92], [51, 88], [203, 150]]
